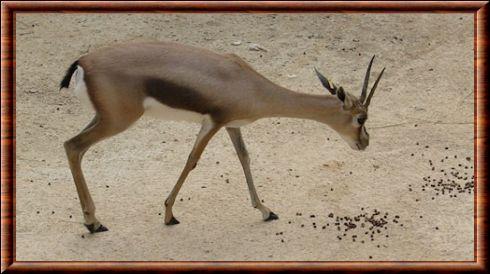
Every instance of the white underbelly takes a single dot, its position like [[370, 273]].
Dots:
[[155, 109], [238, 123]]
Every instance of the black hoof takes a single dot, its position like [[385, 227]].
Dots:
[[173, 221], [92, 229], [271, 217]]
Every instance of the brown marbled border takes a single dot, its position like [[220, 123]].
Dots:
[[9, 9]]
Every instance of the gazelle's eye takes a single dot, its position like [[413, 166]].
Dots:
[[361, 120]]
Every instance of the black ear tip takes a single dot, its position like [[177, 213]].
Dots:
[[341, 94]]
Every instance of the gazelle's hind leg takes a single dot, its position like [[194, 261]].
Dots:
[[208, 129], [241, 150], [99, 128]]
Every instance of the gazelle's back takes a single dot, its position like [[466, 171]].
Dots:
[[178, 76]]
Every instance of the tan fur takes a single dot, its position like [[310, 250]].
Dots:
[[222, 87]]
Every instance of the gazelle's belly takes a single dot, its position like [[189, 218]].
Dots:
[[158, 110]]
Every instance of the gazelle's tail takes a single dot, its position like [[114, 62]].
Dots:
[[65, 83]]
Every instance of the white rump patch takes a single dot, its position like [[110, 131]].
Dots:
[[158, 110], [81, 88]]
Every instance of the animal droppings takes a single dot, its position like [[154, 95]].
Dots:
[[448, 179], [360, 227]]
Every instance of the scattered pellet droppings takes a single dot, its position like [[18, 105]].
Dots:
[[449, 181]]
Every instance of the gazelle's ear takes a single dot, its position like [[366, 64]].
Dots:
[[330, 87], [344, 98]]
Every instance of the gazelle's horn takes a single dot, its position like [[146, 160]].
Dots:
[[368, 100], [366, 81]]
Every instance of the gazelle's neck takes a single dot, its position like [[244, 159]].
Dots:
[[287, 103]]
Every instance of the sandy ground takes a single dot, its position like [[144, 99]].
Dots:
[[302, 168]]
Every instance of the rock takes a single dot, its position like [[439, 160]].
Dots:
[[236, 43], [256, 47]]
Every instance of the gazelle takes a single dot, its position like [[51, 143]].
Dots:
[[177, 82]]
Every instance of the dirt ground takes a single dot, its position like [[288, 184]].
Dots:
[[334, 204]]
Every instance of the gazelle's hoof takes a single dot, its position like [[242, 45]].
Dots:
[[92, 228], [172, 221], [272, 216]]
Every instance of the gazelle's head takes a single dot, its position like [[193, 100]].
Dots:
[[350, 122]]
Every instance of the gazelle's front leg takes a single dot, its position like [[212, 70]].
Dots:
[[241, 150], [208, 129]]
